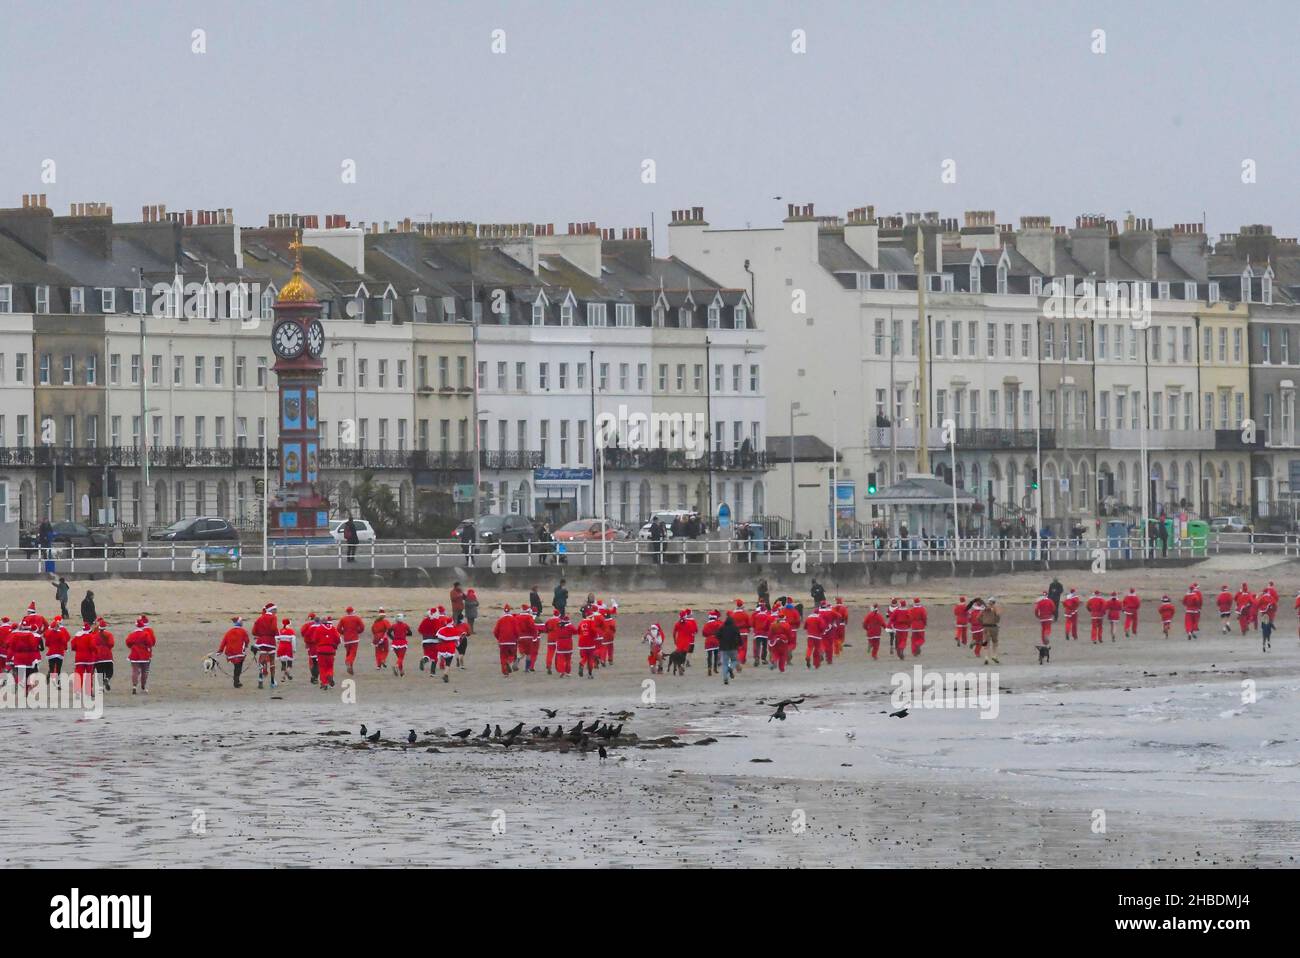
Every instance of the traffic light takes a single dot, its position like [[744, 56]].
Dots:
[[871, 483], [1033, 481]]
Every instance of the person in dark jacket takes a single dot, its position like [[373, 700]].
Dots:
[[351, 537], [560, 598], [88, 615], [728, 644], [1054, 593], [62, 594], [467, 536], [764, 596], [535, 601], [818, 592]]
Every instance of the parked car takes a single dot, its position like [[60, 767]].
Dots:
[[365, 533], [74, 535], [197, 529], [666, 516], [506, 531], [588, 530], [1229, 524]]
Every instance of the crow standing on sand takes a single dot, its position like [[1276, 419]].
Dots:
[[410, 737], [374, 737], [462, 734], [486, 733]]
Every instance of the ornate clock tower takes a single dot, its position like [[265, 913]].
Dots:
[[299, 511]]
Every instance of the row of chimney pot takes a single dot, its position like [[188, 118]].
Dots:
[[34, 201]]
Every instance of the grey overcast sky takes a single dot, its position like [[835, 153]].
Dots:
[[557, 127]]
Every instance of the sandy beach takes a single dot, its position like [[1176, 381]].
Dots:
[[1139, 752]]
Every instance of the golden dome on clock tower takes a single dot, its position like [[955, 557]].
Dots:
[[297, 290]]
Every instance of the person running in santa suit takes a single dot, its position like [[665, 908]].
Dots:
[[506, 632], [234, 646], [328, 640], [1297, 612], [139, 645], [381, 632], [1114, 609], [265, 628], [761, 620], [1166, 612], [975, 617], [827, 643], [450, 636], [684, 632], [400, 635], [85, 650], [744, 621], [841, 611], [1096, 606], [57, 639], [1045, 613], [815, 626], [1132, 603], [608, 630], [654, 637], [286, 643], [710, 633], [264, 645], [961, 617], [588, 643], [901, 621], [526, 629], [1192, 602], [564, 632], [873, 623], [551, 628], [428, 629], [350, 628], [1223, 602], [917, 620], [1071, 605], [780, 642], [34, 620], [24, 652], [1245, 601], [104, 664], [309, 629], [6, 630], [889, 625]]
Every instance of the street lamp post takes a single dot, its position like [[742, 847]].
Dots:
[[794, 413]]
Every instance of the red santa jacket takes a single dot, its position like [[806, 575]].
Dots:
[[1132, 602], [874, 624], [233, 644], [328, 640], [918, 618], [1071, 605], [710, 633], [684, 632], [1044, 609], [1166, 611], [57, 639], [1097, 607], [265, 629], [1192, 601], [351, 626], [84, 648], [506, 630], [139, 645]]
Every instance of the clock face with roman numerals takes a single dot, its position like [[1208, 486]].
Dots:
[[315, 339], [287, 340]]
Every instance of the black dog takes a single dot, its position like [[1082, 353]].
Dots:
[[676, 663], [1044, 653]]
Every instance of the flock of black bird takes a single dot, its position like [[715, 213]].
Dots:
[[581, 736]]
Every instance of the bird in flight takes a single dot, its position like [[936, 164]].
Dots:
[[551, 713]]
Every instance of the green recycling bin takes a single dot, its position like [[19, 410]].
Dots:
[[1198, 533]]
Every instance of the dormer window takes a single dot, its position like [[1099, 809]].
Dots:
[[6, 298], [268, 304], [683, 318], [947, 285], [715, 316], [108, 301], [566, 314], [1213, 295], [1189, 290], [77, 299], [624, 314], [388, 309], [137, 301], [235, 303], [891, 281], [595, 314], [1266, 289], [1036, 286], [539, 314], [658, 317], [42, 299], [1002, 280], [171, 301], [974, 278], [1162, 291], [1245, 287], [740, 317], [359, 308]]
